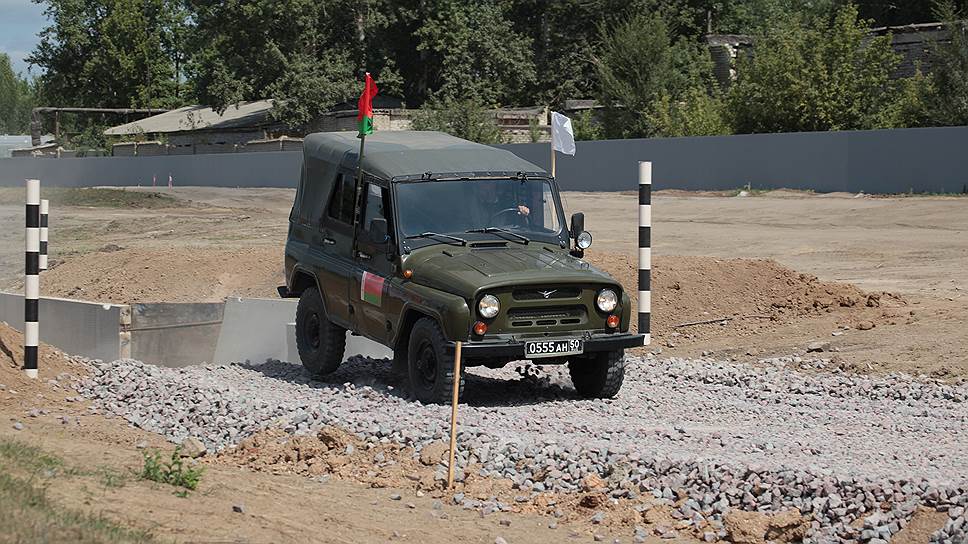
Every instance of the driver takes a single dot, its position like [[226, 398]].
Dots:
[[493, 202]]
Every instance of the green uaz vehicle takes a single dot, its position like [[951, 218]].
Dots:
[[446, 240]]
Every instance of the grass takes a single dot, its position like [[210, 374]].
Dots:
[[27, 514], [94, 197], [172, 472]]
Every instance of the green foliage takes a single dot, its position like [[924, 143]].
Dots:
[[109, 53], [475, 53], [816, 74], [755, 16], [639, 63], [172, 472], [697, 113], [297, 51], [16, 100], [944, 100], [645, 60], [534, 133], [586, 127], [462, 118]]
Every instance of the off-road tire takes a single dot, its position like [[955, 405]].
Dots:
[[598, 375], [320, 342], [427, 346]]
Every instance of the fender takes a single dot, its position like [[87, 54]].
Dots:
[[450, 311]]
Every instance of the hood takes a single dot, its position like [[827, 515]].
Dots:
[[464, 271]]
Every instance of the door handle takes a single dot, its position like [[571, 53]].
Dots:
[[329, 241], [363, 256]]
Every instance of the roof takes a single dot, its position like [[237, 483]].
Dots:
[[190, 118], [403, 154]]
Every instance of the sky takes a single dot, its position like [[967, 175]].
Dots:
[[20, 21]]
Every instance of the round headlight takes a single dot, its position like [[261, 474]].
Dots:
[[584, 240], [607, 300], [489, 306]]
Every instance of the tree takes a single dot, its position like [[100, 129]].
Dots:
[[893, 13], [945, 100], [16, 99], [471, 52], [812, 74], [464, 118], [696, 113], [106, 53], [638, 64], [297, 51]]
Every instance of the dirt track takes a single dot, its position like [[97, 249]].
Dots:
[[221, 242], [229, 241]]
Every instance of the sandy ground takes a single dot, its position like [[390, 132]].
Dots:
[[709, 264], [103, 458], [774, 273]]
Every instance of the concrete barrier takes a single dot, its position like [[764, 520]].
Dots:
[[83, 328], [257, 329], [175, 334]]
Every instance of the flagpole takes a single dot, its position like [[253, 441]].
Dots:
[[552, 150]]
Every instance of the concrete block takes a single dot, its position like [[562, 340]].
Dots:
[[175, 334], [91, 329]]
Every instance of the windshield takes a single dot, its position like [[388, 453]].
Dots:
[[527, 208]]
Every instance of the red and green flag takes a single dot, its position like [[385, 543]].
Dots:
[[371, 288], [365, 107]]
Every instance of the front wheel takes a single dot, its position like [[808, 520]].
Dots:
[[598, 375], [320, 342], [430, 367]]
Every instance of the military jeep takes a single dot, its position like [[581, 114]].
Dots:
[[437, 240]]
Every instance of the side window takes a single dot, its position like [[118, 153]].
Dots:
[[374, 205], [341, 202]]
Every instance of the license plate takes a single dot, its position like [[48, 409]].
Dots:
[[553, 348]]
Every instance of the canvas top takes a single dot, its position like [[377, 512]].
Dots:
[[409, 154]]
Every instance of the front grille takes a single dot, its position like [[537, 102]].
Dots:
[[539, 294], [547, 317]]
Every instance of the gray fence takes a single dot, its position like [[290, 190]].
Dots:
[[878, 161]]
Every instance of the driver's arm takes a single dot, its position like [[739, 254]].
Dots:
[[524, 210]]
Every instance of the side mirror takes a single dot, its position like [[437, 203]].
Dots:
[[378, 230], [577, 224]]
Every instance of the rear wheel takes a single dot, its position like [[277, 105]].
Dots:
[[429, 365], [320, 342], [598, 375]]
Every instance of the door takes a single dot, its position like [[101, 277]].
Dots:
[[375, 266], [334, 244]]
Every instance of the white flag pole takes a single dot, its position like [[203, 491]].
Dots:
[[552, 148]]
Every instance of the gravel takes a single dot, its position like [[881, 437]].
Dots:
[[722, 435]]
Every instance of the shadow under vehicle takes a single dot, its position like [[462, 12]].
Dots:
[[435, 240]]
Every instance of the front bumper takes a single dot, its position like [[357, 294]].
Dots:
[[515, 349]]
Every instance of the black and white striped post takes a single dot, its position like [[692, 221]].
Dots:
[[32, 279], [645, 248], [44, 207]]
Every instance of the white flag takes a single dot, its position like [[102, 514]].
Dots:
[[562, 137]]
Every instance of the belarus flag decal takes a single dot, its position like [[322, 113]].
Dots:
[[371, 289]]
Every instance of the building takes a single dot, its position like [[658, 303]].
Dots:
[[197, 129], [249, 126]]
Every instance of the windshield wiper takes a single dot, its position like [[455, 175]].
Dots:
[[519, 238], [460, 241]]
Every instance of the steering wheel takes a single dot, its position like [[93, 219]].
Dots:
[[507, 211]]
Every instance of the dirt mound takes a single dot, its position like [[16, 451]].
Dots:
[[12, 353], [166, 275], [56, 371], [748, 293]]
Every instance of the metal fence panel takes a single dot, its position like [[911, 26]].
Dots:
[[873, 161]]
